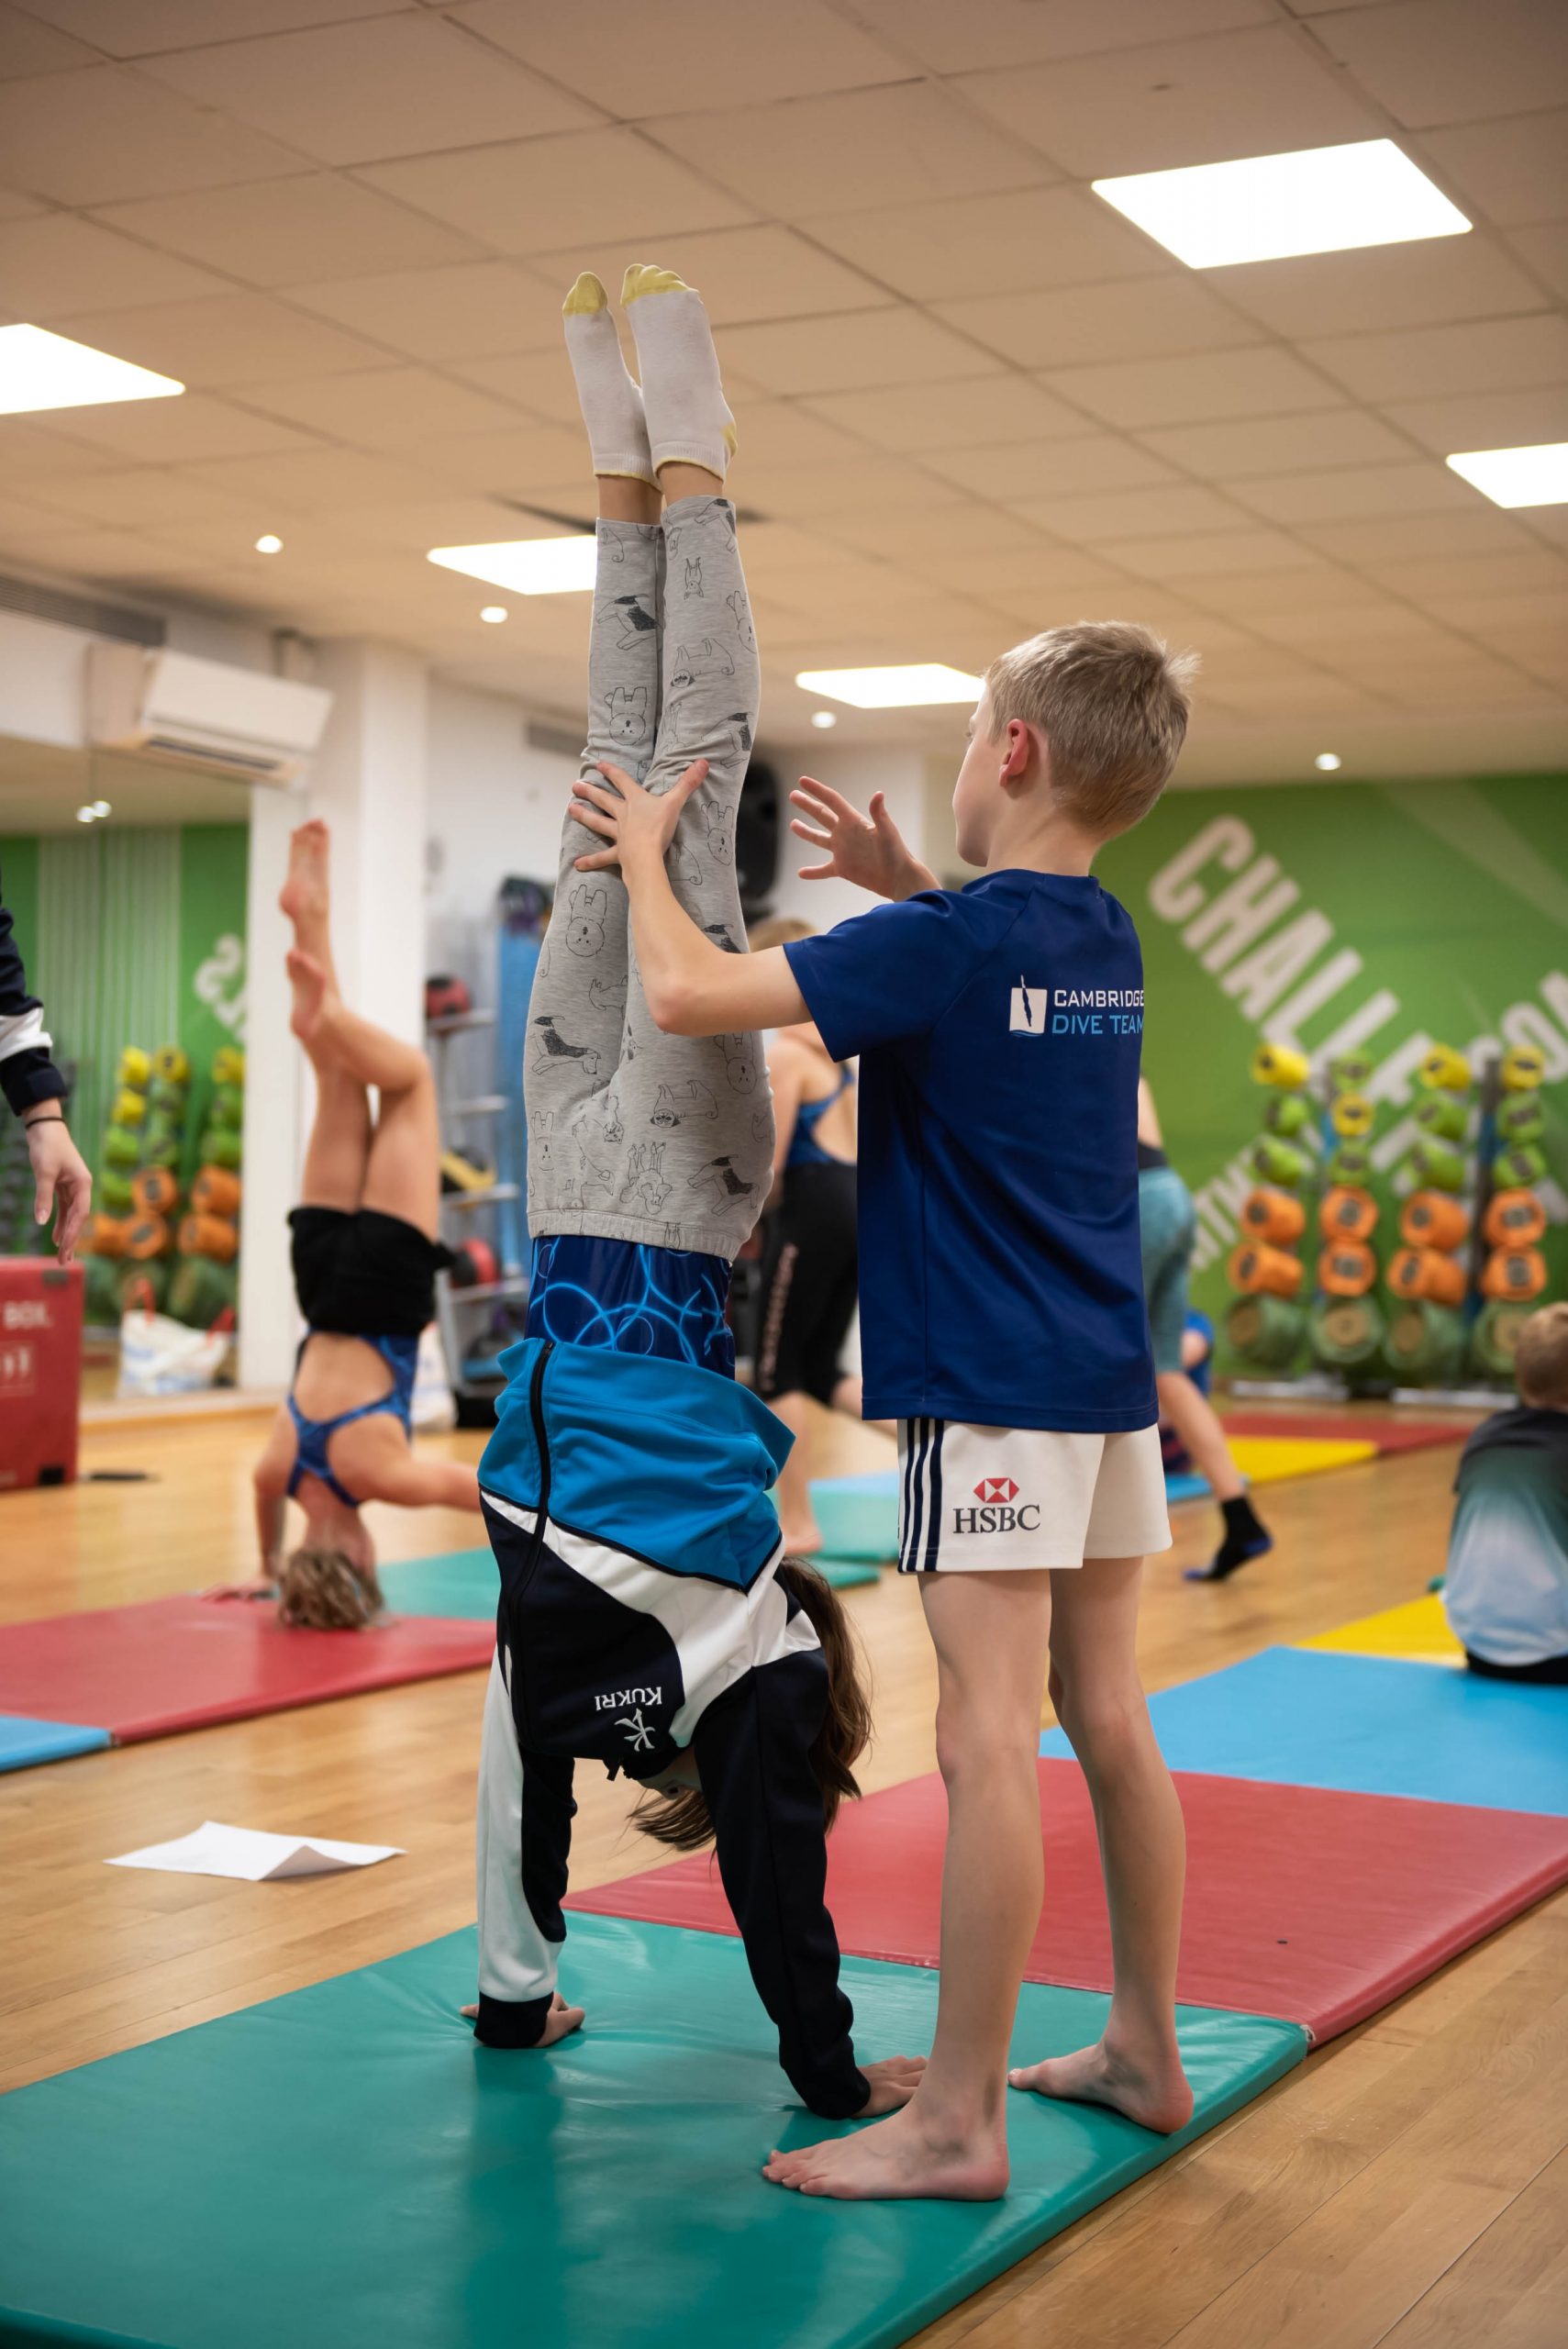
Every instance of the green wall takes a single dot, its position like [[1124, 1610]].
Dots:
[[1388, 915]]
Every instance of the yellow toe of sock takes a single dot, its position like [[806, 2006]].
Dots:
[[586, 297], [647, 277]]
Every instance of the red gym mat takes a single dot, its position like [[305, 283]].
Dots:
[[1314, 1906], [1349, 1427], [184, 1662]]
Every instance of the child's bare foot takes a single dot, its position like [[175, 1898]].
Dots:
[[1153, 2092], [306, 894], [899, 2159], [803, 1536], [559, 2023], [308, 983]]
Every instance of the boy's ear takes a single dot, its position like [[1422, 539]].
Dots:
[[1019, 747]]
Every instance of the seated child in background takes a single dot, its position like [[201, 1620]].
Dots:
[[1507, 1591], [649, 1618]]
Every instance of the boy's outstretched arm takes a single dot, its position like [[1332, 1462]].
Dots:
[[692, 987]]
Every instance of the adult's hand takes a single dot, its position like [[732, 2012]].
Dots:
[[62, 1185]]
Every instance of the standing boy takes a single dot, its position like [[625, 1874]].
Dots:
[[1004, 1325]]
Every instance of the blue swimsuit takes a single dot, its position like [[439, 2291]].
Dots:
[[312, 1436], [805, 1150]]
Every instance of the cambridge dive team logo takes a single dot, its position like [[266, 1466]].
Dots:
[[1030, 1007]]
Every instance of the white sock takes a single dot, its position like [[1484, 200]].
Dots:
[[688, 422], [611, 402]]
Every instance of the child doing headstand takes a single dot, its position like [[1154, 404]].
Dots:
[[648, 1617]]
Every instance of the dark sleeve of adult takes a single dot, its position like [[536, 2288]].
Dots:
[[28, 1075]]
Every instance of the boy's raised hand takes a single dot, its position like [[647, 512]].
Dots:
[[630, 817], [867, 850]]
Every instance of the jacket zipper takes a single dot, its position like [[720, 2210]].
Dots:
[[542, 1440]]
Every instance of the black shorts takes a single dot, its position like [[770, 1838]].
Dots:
[[810, 1283], [365, 1274]]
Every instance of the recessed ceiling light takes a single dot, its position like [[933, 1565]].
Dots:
[[494, 613], [1327, 762], [102, 807], [1266, 207], [528, 566], [86, 815], [910, 686], [40, 370], [823, 717], [269, 544], [1517, 476]]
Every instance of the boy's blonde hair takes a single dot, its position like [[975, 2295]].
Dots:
[[1540, 1358], [1112, 701]]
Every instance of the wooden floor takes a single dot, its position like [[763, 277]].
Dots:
[[1409, 2186]]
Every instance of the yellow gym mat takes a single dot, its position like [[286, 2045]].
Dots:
[[1416, 1632], [1270, 1459]]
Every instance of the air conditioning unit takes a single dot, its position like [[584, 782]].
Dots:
[[169, 706]]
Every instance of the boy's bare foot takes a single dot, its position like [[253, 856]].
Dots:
[[309, 982], [899, 2159], [1153, 2092], [559, 2023], [306, 894]]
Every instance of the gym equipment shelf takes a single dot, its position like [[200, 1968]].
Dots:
[[473, 1379]]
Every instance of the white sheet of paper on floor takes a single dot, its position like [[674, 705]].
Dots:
[[255, 1857]]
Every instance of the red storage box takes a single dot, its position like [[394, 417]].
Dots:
[[40, 1371]]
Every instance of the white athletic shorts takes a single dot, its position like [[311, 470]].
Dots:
[[975, 1500]]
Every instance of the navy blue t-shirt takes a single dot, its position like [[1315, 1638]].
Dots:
[[1000, 1028]]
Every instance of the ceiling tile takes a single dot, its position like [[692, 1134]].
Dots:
[[27, 47], [1146, 318], [16, 206], [381, 406], [1436, 582], [1278, 444], [540, 381], [287, 232], [543, 195], [930, 538], [234, 339], [743, 275], [1017, 576], [1494, 354], [529, 456], [862, 484], [1314, 695], [1149, 109], [696, 53], [1030, 32], [1368, 635], [1510, 420], [20, 520], [1385, 287], [30, 453], [1408, 538], [467, 310], [966, 413], [1137, 514], [162, 432], [151, 495], [1200, 386], [1305, 588], [360, 93], [456, 520], [1353, 493], [56, 263], [1213, 553], [780, 432], [848, 353], [867, 148], [1544, 248], [1094, 462], [1449, 61], [976, 245], [102, 135], [143, 27], [314, 480], [1515, 171]]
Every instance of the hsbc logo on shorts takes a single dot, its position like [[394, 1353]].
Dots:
[[996, 1512]]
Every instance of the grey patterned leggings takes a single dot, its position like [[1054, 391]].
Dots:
[[634, 1135]]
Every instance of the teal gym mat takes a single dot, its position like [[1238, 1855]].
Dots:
[[344, 2167], [25, 1741], [1368, 1725], [859, 1514], [463, 1585]]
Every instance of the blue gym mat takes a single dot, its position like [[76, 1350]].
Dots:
[[344, 2166], [24, 1741], [1366, 1725]]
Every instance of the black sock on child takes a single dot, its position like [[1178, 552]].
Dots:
[[1246, 1536]]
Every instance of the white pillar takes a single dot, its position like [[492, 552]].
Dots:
[[368, 783]]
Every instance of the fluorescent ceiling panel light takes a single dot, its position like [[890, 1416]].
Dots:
[[910, 688], [528, 566], [1322, 200], [40, 370], [1517, 476]]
